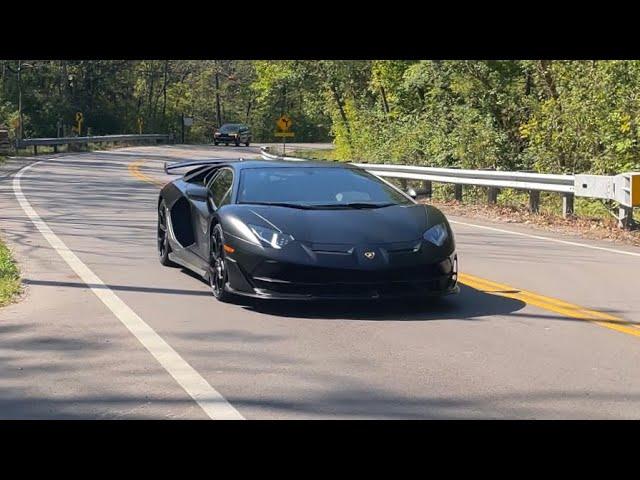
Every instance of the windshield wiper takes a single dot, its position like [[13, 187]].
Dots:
[[280, 204], [354, 205], [328, 206]]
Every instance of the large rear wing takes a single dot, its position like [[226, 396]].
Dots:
[[169, 167]]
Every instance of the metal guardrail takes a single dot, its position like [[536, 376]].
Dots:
[[266, 155], [35, 142], [483, 178], [619, 187]]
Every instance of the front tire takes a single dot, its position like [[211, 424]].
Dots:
[[217, 266], [164, 249], [246, 144]]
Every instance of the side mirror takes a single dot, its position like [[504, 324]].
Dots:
[[412, 193], [196, 192]]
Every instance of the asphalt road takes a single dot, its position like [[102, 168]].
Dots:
[[543, 328]]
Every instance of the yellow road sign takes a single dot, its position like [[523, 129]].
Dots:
[[283, 134], [79, 119], [284, 123], [635, 190]]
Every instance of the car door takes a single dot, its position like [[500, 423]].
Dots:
[[219, 187]]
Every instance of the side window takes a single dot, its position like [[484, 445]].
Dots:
[[212, 173], [221, 187]]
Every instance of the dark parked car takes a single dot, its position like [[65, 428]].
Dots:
[[294, 230], [236, 133]]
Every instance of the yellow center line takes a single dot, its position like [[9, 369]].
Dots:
[[551, 304], [134, 169], [530, 298]]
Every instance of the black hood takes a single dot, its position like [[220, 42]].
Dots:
[[398, 223]]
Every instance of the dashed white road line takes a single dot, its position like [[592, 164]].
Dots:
[[212, 402], [549, 239]]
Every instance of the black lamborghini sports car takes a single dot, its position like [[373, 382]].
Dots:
[[302, 230]]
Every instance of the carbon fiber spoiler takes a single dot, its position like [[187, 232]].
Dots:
[[168, 167]]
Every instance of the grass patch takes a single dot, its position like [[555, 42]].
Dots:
[[317, 154], [9, 277]]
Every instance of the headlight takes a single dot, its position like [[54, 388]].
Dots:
[[437, 234], [271, 237]]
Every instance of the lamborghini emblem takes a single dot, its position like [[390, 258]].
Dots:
[[370, 255]]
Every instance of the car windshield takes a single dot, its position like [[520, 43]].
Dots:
[[316, 187], [230, 128]]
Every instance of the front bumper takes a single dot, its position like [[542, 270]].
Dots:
[[273, 279], [363, 295], [226, 138]]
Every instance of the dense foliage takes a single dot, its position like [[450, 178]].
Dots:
[[9, 276], [550, 116]]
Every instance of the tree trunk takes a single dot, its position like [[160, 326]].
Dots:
[[89, 92], [150, 97], [249, 105], [164, 92], [385, 104], [218, 109], [343, 115], [544, 67]]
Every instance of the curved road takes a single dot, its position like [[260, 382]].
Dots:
[[543, 328]]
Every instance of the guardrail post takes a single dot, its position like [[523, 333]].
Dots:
[[492, 195], [567, 205], [35, 150], [428, 189], [534, 201], [458, 192], [625, 217]]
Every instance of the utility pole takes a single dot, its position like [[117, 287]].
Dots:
[[20, 100]]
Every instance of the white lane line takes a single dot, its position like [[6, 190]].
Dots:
[[538, 237], [212, 402]]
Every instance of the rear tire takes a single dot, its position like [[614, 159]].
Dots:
[[237, 143], [215, 143], [246, 144], [217, 266], [164, 249]]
